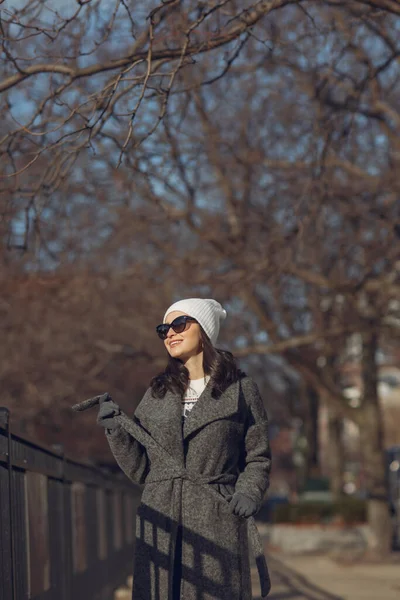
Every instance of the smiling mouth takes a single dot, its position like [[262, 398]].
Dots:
[[172, 344]]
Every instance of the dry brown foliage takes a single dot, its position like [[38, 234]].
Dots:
[[245, 152]]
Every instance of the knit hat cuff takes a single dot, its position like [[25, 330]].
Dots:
[[207, 312]]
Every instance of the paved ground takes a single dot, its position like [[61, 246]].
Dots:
[[289, 584], [320, 578]]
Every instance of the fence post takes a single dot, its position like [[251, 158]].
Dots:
[[5, 417], [65, 561]]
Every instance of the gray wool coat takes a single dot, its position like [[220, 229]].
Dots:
[[189, 546]]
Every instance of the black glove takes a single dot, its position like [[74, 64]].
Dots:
[[107, 411], [242, 506]]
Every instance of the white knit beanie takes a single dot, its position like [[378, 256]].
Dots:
[[206, 311]]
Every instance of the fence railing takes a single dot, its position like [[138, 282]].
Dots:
[[66, 528], [393, 464]]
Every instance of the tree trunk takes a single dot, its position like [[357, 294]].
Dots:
[[372, 450], [336, 454], [312, 432]]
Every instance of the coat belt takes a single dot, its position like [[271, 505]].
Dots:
[[195, 478], [182, 474]]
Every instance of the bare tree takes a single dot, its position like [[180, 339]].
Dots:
[[96, 76], [266, 176], [306, 246]]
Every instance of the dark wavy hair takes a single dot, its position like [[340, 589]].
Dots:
[[219, 364]]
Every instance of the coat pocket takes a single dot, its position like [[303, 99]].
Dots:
[[226, 490]]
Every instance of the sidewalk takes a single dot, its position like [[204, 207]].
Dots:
[[349, 582], [317, 577]]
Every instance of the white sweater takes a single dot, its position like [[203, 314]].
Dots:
[[193, 393]]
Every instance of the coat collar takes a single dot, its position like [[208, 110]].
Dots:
[[162, 418], [208, 409]]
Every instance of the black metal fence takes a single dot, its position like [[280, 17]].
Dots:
[[67, 529], [393, 468]]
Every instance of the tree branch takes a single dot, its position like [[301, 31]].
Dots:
[[247, 19]]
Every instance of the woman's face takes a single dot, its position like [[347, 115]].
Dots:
[[186, 344]]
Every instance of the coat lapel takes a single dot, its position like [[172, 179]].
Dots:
[[208, 409], [163, 420]]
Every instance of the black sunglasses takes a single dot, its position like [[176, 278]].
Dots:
[[178, 325]]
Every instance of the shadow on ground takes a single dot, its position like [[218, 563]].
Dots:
[[289, 585]]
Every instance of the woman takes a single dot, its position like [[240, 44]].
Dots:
[[208, 470]]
